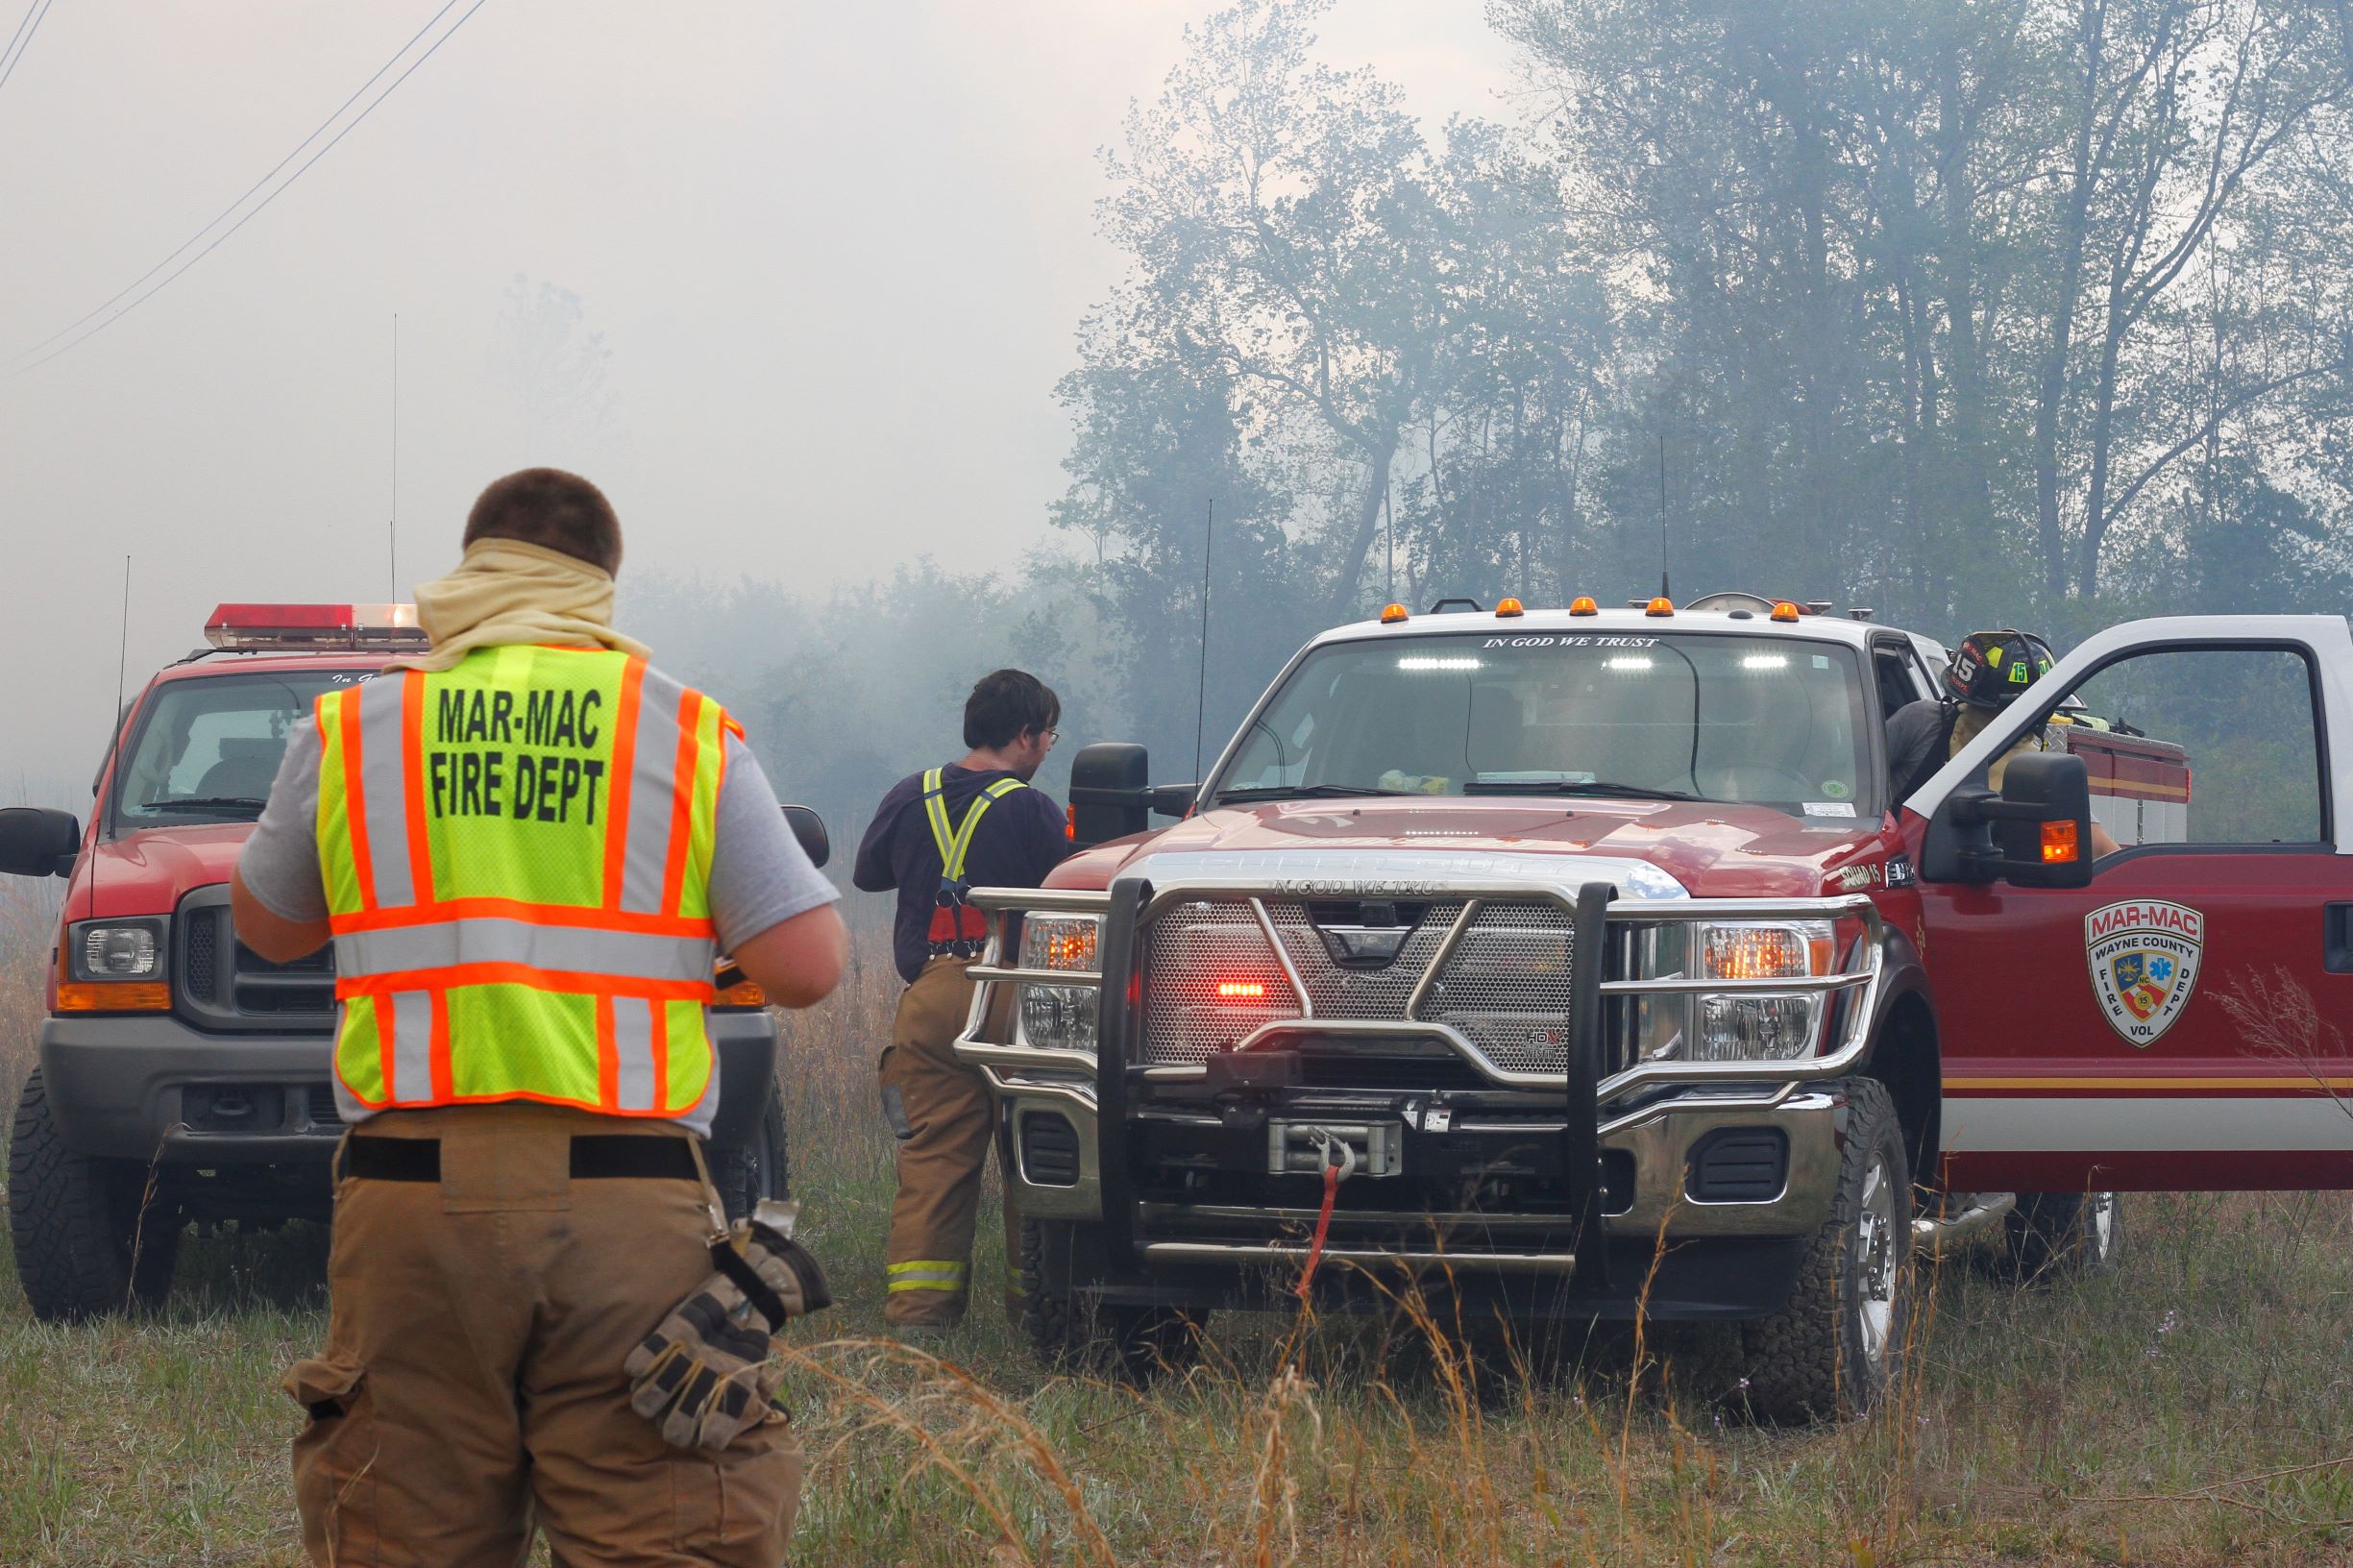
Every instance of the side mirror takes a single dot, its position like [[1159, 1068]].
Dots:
[[2037, 833], [810, 829], [1172, 799], [1109, 797], [38, 842]]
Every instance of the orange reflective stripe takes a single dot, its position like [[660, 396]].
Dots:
[[623, 775], [412, 766], [608, 1054], [387, 1041], [356, 799], [681, 799], [525, 974], [438, 1046]]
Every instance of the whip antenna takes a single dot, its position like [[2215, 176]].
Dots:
[[1662, 508], [392, 523], [1201, 686]]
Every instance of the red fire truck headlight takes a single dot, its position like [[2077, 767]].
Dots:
[[1061, 1017]]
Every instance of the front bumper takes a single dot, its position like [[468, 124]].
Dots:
[[1650, 1154], [147, 1087]]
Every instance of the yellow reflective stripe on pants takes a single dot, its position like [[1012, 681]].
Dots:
[[928, 1275]]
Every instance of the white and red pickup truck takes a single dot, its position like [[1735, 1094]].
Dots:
[[1501, 945]]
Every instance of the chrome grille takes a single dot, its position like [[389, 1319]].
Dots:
[[1359, 993], [1188, 952], [1505, 987]]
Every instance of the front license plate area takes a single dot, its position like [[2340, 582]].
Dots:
[[1299, 1148]]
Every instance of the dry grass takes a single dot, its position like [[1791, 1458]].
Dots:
[[2194, 1410]]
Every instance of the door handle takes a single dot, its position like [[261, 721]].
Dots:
[[2337, 938]]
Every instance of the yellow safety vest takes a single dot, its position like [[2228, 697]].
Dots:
[[517, 854], [955, 924]]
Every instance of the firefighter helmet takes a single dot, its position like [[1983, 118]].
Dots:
[[1990, 668]]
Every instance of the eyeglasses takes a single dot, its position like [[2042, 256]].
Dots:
[[1053, 735]]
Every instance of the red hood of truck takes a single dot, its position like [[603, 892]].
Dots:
[[1716, 851], [148, 872]]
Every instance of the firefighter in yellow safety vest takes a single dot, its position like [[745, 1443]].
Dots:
[[527, 848], [976, 823]]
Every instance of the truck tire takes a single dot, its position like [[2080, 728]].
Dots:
[[1135, 1344], [758, 1168], [2064, 1235], [75, 1222], [1838, 1344]]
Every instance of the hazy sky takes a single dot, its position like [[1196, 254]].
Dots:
[[837, 252]]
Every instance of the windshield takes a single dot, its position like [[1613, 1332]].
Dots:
[[207, 748], [1765, 721]]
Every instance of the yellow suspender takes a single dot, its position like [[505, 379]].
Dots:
[[954, 846]]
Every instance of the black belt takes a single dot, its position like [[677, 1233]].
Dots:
[[594, 1156]]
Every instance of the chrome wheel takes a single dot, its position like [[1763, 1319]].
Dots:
[[1874, 1262]]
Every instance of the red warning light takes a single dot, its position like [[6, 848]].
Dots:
[[1240, 991]]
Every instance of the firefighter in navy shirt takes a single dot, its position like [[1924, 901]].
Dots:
[[975, 822]]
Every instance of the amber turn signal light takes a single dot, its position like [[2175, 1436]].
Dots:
[[1582, 604], [1661, 605], [114, 996], [1391, 614], [2059, 844]]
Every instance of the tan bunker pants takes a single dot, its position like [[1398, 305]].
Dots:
[[471, 1382], [940, 1109]]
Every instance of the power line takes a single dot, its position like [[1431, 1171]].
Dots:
[[200, 233], [283, 187], [8, 60]]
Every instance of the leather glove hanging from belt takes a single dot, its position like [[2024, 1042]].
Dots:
[[703, 1375]]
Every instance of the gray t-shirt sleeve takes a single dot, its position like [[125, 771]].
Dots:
[[281, 862], [760, 875]]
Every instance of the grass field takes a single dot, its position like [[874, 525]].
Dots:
[[2195, 1408]]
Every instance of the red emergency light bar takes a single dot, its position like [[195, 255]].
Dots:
[[315, 626]]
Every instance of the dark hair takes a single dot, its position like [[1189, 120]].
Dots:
[[549, 507], [1005, 702]]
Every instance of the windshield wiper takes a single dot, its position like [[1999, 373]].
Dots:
[[1294, 792], [207, 802], [1565, 786]]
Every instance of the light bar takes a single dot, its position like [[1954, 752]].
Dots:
[[315, 626]]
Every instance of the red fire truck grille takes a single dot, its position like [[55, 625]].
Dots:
[[1213, 976]]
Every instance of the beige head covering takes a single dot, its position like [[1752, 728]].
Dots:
[[505, 591]]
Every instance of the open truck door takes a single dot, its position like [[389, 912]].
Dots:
[[2174, 1016]]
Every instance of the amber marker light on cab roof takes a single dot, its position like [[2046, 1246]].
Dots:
[[1785, 611], [1509, 607], [1391, 614], [1582, 604], [1661, 605], [2060, 846]]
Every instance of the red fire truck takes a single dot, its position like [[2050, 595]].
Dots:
[[1501, 946], [183, 1079]]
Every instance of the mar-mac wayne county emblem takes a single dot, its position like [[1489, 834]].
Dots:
[[2144, 963]]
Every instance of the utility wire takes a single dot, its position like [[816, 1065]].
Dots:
[[249, 192], [169, 277], [16, 48]]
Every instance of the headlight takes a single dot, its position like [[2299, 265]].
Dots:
[[118, 950], [1763, 949], [1759, 1026], [1755, 1027], [1061, 1017], [1738, 1026]]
